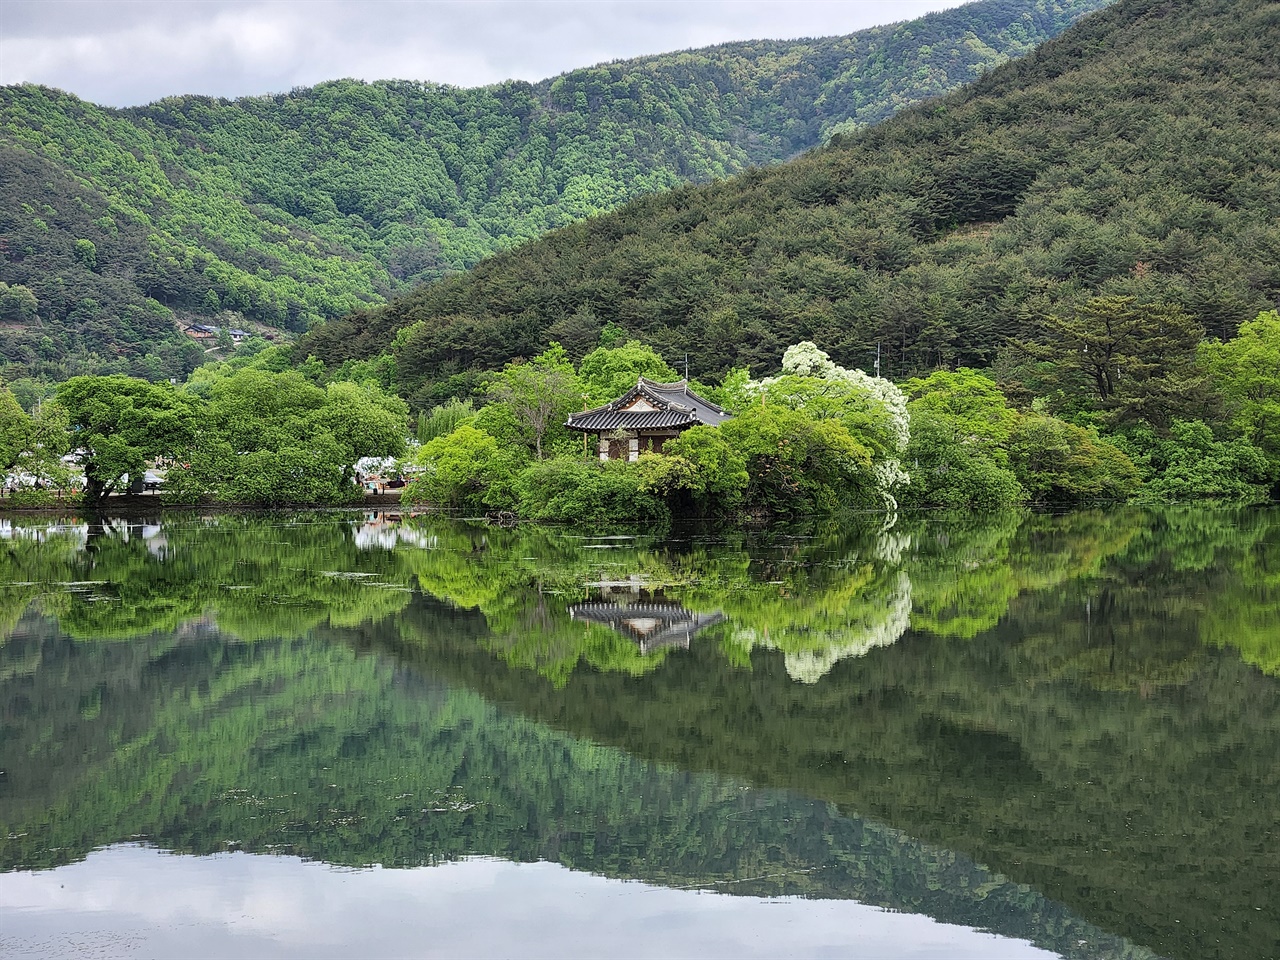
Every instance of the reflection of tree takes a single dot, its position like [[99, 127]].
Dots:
[[835, 593], [868, 607], [1245, 614], [1123, 769], [32, 557], [257, 579], [1090, 742], [966, 573], [818, 599]]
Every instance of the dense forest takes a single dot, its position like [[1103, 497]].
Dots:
[[275, 212], [1135, 156]]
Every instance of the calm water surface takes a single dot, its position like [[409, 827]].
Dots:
[[340, 734]]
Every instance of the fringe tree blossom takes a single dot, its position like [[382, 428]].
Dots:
[[806, 360]]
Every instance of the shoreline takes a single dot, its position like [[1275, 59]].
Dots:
[[134, 503]]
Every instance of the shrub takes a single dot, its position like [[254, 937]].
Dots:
[[1191, 464], [572, 490], [466, 468], [1058, 462]]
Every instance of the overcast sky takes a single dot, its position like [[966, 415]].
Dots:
[[129, 52]]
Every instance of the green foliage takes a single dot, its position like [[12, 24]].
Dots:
[[18, 304], [271, 437], [463, 469], [364, 421], [86, 252], [952, 468], [966, 397], [606, 373], [568, 489], [1136, 361], [957, 456], [798, 464], [1246, 371], [1059, 463], [314, 472], [15, 430], [717, 476], [443, 419], [539, 394], [1190, 463], [119, 423]]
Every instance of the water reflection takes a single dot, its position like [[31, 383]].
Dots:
[[650, 623], [1087, 705], [129, 901]]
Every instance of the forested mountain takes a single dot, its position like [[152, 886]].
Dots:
[[290, 208], [1134, 156]]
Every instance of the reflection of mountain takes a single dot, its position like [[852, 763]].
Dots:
[[651, 625], [1090, 744], [201, 744], [1060, 710]]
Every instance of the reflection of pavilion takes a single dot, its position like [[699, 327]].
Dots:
[[651, 624]]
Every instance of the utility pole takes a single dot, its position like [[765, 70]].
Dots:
[[686, 366], [877, 358]]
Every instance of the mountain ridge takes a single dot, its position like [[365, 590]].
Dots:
[[285, 209], [1135, 155]]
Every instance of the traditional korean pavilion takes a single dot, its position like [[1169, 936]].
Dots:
[[646, 417]]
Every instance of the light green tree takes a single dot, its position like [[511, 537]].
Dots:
[[15, 429], [458, 470], [608, 372], [119, 423], [1246, 371], [540, 393]]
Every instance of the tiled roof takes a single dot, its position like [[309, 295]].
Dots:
[[678, 406], [651, 625]]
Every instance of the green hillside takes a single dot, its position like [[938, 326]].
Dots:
[[1136, 155], [279, 211]]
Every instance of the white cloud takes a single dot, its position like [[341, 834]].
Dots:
[[127, 52]]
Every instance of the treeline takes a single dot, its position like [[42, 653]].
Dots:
[[1135, 406], [250, 431], [1134, 156], [291, 208]]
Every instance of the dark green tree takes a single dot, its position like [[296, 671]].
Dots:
[[1137, 360]]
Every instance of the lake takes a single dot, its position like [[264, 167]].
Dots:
[[340, 734]]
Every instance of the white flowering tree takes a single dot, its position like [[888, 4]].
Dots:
[[872, 409]]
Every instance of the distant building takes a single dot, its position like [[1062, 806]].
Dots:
[[202, 331], [646, 417], [209, 331]]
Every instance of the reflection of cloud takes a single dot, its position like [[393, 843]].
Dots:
[[132, 901], [878, 627]]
